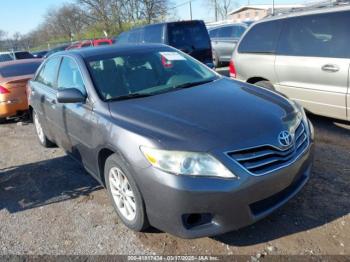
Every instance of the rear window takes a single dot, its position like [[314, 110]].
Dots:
[[5, 57], [23, 55], [322, 35], [185, 35], [19, 69], [261, 38]]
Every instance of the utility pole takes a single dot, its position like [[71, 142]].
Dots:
[[273, 7], [190, 9], [216, 11]]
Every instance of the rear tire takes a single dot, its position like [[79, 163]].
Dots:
[[2, 120], [124, 193], [43, 140]]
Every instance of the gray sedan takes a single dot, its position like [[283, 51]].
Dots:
[[177, 146]]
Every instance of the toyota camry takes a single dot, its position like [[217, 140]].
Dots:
[[177, 146]]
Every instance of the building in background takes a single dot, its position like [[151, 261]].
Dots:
[[256, 12]]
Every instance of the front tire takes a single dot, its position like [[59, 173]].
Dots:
[[43, 140], [124, 193]]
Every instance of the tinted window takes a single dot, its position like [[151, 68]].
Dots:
[[153, 34], [135, 36], [5, 57], [238, 31], [69, 75], [145, 72], [190, 34], [123, 38], [225, 31], [324, 35], [48, 72], [103, 43], [261, 38], [213, 33], [23, 55], [19, 69]]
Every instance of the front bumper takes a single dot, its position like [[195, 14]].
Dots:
[[192, 207]]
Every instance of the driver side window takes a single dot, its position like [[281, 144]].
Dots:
[[69, 76]]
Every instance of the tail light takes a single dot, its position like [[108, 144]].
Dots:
[[232, 68], [4, 90]]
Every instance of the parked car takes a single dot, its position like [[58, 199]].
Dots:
[[303, 55], [39, 54], [14, 76], [89, 43], [178, 146], [190, 37], [223, 41], [15, 55], [56, 49]]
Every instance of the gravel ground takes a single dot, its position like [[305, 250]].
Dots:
[[50, 205]]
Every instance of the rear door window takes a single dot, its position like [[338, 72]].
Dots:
[[153, 34], [48, 73], [23, 55], [188, 34], [238, 31], [322, 35], [5, 57], [213, 33], [261, 38], [225, 32]]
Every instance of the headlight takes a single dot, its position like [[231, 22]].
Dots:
[[186, 163], [301, 115]]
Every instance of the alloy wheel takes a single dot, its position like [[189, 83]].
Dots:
[[122, 193]]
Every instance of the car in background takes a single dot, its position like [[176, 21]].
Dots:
[[223, 41], [177, 146], [14, 76], [56, 49], [303, 55], [190, 37], [90, 43], [39, 54], [15, 55]]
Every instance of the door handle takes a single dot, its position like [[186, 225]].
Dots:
[[330, 68]]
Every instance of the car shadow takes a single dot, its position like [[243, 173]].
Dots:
[[324, 199], [43, 183]]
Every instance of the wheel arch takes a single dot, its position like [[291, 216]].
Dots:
[[256, 79]]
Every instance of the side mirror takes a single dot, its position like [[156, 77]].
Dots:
[[70, 95]]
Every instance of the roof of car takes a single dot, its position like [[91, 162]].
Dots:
[[306, 11], [20, 61], [110, 49]]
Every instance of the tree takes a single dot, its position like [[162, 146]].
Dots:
[[65, 21], [222, 8]]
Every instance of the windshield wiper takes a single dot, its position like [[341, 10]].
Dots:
[[192, 84], [131, 96]]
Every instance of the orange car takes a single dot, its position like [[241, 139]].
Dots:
[[14, 76]]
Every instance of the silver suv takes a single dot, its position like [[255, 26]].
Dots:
[[304, 55]]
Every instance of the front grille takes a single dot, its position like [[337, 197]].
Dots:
[[264, 159]]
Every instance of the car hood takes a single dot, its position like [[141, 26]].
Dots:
[[225, 114]]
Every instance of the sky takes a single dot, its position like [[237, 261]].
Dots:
[[23, 15]]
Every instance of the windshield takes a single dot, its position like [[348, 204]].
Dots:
[[146, 72]]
